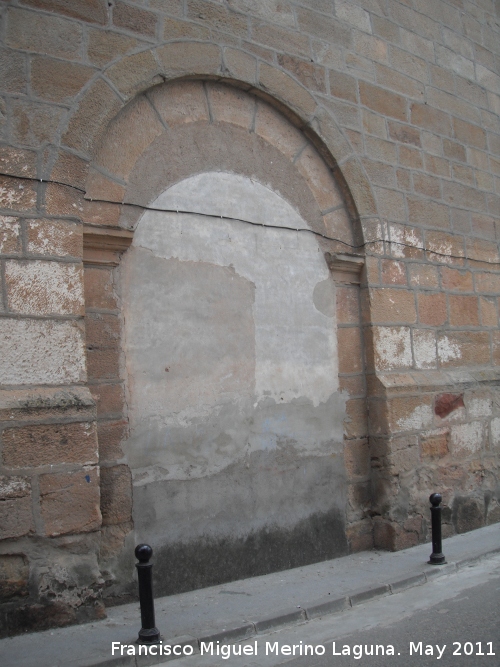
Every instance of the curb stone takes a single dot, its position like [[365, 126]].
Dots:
[[404, 583], [288, 617], [369, 594]]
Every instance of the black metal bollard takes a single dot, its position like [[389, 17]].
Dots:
[[437, 556], [148, 634]]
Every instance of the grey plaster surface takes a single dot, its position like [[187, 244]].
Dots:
[[230, 353], [217, 610]]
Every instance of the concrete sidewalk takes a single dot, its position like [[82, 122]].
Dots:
[[241, 609]]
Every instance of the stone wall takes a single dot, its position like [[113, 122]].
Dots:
[[400, 102]]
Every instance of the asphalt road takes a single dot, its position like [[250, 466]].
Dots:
[[447, 623]]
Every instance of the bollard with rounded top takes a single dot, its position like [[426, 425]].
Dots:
[[148, 634], [437, 557]]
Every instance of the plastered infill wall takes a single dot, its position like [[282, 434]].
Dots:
[[403, 101]]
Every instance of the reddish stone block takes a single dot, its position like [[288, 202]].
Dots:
[[464, 310], [69, 502], [46, 444], [116, 495], [16, 515]]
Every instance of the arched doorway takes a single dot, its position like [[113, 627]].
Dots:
[[230, 336]]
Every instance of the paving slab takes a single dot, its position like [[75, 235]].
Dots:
[[240, 609]]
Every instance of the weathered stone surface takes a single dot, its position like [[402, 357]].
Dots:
[[41, 352], [14, 576], [16, 516], [116, 495], [42, 445], [44, 288], [69, 502]]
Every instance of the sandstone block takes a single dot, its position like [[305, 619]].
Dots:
[[109, 399], [410, 413], [181, 103], [46, 444], [92, 11], [463, 196], [357, 458], [434, 444], [464, 348], [44, 288], [347, 305], [319, 179], [467, 439], [350, 350], [241, 66], [487, 282], [432, 309], [271, 126], [116, 495], [94, 112], [70, 169], [310, 75], [42, 33], [285, 88], [104, 46], [323, 27], [34, 123], [423, 115], [175, 29], [57, 80], [56, 238], [392, 305], [469, 134], [382, 101], [488, 312], [17, 194], [16, 515], [437, 165], [482, 251], [444, 248], [456, 280], [103, 364], [423, 275], [354, 385], [360, 536], [464, 310], [13, 67], [10, 239], [69, 502], [424, 348], [392, 348], [99, 288], [454, 150], [184, 58], [110, 435], [423, 211], [360, 187], [41, 352], [113, 538], [139, 123], [135, 19], [392, 272], [230, 105], [356, 422], [17, 161], [102, 187], [14, 576]]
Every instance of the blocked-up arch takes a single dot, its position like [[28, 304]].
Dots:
[[134, 74], [237, 221]]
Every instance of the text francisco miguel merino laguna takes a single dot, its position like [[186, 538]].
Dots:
[[358, 651]]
